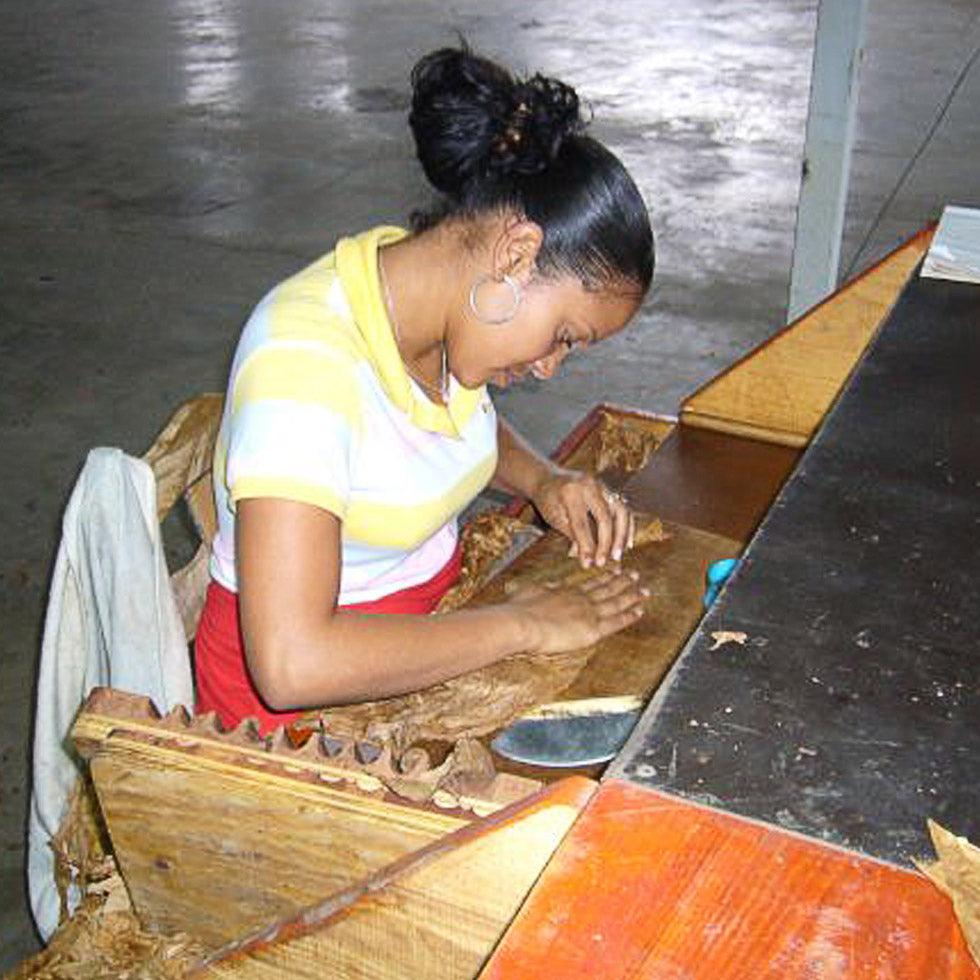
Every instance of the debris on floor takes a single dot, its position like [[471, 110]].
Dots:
[[721, 637]]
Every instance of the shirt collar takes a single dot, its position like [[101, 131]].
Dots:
[[357, 266]]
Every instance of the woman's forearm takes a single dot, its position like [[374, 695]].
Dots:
[[348, 657], [520, 468], [303, 650]]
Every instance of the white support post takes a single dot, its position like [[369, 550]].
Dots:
[[837, 54]]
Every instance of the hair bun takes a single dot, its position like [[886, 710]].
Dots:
[[473, 121], [546, 111]]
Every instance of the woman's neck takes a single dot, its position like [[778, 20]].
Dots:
[[421, 276]]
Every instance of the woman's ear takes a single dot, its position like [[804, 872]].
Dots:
[[516, 249]]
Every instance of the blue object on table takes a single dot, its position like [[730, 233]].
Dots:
[[717, 575]]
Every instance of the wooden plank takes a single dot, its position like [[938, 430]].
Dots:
[[782, 390], [793, 440], [647, 885], [437, 914]]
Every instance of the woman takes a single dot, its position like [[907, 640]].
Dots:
[[357, 424]]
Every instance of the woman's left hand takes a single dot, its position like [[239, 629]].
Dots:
[[598, 521]]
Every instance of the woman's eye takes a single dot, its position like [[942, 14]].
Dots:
[[568, 343]]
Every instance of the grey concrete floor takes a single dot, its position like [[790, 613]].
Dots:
[[162, 165]]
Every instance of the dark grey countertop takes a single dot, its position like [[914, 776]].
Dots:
[[852, 711]]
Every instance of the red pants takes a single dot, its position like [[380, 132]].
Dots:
[[222, 679]]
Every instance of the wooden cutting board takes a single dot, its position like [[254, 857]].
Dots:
[[635, 660]]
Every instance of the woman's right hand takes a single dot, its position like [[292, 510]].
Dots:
[[562, 618]]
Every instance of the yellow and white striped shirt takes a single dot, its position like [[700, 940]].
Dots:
[[321, 410]]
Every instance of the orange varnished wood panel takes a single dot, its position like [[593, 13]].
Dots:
[[648, 885]]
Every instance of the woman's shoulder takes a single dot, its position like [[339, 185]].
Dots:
[[307, 310]]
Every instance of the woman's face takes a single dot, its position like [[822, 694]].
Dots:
[[553, 318]]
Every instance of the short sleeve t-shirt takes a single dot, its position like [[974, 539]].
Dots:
[[320, 409]]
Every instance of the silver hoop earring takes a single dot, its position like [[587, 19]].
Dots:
[[497, 320]]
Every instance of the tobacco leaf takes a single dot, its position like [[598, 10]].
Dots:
[[623, 444], [97, 943], [957, 874]]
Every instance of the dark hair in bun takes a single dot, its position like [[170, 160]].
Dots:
[[488, 141]]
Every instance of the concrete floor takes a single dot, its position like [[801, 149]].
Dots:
[[163, 165]]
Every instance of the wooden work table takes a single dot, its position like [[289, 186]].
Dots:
[[711, 490], [852, 712]]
